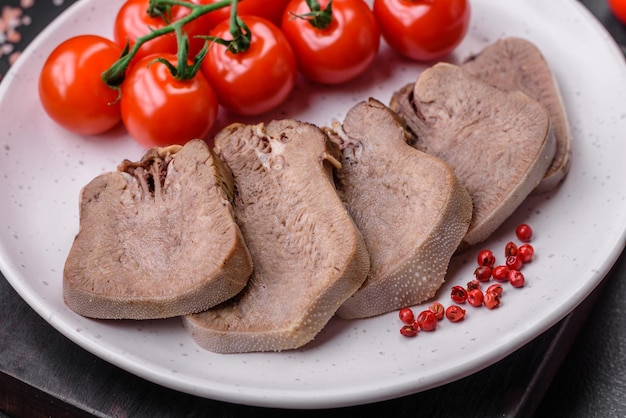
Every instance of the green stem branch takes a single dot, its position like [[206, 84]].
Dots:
[[318, 17], [114, 75]]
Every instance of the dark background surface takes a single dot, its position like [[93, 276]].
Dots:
[[575, 369]]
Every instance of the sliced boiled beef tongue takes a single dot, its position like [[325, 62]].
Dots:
[[308, 255], [157, 238], [410, 207], [517, 64], [499, 143]]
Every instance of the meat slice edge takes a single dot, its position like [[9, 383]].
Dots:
[[517, 64], [410, 207], [307, 253], [499, 143], [157, 238]]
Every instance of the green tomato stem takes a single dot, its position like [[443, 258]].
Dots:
[[317, 17], [114, 75]]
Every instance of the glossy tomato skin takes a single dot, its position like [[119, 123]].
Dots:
[[423, 30], [341, 51], [618, 7], [271, 10], [257, 80], [132, 21], [159, 110], [71, 90]]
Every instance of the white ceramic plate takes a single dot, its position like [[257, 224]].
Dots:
[[580, 227]]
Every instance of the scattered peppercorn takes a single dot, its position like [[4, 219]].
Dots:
[[514, 262], [496, 288], [501, 273], [483, 273], [510, 249], [524, 232], [426, 320], [406, 315], [486, 258], [516, 278], [438, 309], [474, 284], [475, 297], [515, 257], [491, 300], [526, 252], [455, 313], [408, 330], [458, 294]]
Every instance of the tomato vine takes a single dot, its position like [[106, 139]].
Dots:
[[114, 75]]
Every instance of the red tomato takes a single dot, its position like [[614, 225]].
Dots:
[[257, 80], [71, 90], [159, 110], [271, 10], [618, 7], [423, 30], [339, 52], [133, 21]]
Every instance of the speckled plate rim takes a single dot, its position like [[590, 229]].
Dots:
[[580, 227]]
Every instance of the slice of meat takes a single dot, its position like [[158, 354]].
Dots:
[[499, 143], [307, 253], [517, 64], [157, 238], [410, 207]]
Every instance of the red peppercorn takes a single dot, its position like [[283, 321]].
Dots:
[[475, 297], [455, 313], [516, 278], [408, 330], [524, 232], [486, 258], [526, 252], [501, 273], [426, 320], [473, 284], [491, 300], [513, 262], [438, 309], [406, 315], [510, 249], [483, 273], [458, 294], [495, 288]]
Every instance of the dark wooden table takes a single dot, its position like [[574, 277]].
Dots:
[[575, 369]]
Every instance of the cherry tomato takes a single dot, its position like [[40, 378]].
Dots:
[[71, 90], [339, 52], [271, 10], [618, 7], [423, 30], [159, 110], [256, 80], [133, 21]]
